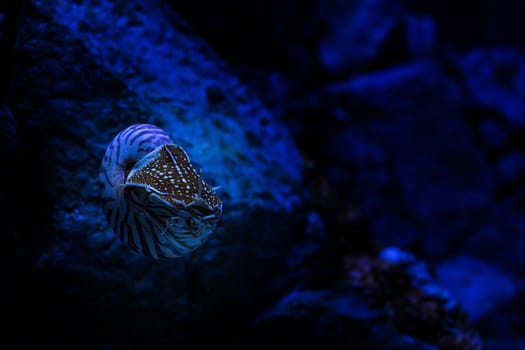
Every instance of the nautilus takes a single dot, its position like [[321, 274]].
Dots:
[[154, 199]]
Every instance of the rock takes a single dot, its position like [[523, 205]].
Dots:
[[85, 73], [476, 285], [494, 134], [421, 35], [396, 256], [355, 32], [514, 343], [358, 35], [497, 239], [512, 166], [311, 320], [381, 305], [413, 162], [496, 79]]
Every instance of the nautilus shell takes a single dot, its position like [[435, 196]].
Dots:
[[154, 199]]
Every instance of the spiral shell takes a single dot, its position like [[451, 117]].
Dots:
[[153, 198]]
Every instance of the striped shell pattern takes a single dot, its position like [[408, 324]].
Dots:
[[154, 199]]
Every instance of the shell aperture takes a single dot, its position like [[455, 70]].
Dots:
[[154, 199]]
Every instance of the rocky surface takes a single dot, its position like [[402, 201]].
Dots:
[[389, 301], [84, 73], [424, 136]]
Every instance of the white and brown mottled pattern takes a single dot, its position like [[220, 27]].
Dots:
[[154, 199]]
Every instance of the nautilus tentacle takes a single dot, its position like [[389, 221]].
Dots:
[[153, 198]]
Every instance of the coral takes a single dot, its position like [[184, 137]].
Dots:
[[412, 302]]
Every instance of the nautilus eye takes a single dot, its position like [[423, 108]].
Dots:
[[154, 199]]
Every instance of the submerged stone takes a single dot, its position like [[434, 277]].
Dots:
[[90, 70]]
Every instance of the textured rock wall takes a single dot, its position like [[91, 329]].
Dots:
[[88, 69]]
